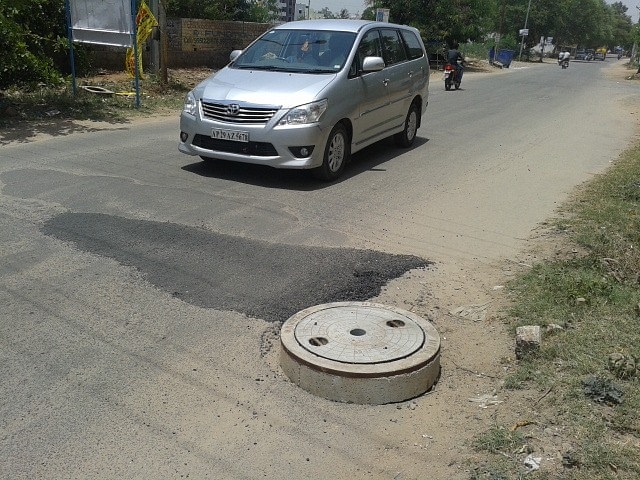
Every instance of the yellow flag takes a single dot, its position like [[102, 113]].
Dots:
[[145, 23]]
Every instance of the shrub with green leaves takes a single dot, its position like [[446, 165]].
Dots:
[[30, 40]]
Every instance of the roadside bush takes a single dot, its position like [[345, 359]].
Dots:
[[34, 43], [481, 49], [19, 64]]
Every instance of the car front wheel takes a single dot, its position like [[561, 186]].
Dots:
[[336, 154]]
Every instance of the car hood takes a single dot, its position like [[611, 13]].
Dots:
[[282, 89]]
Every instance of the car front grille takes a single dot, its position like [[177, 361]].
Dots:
[[259, 149], [238, 114]]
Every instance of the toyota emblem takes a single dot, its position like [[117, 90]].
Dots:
[[233, 109]]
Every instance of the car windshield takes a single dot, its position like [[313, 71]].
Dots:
[[298, 51]]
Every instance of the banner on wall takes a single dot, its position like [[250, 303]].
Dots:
[[104, 22]]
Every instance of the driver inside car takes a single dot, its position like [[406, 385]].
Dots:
[[304, 54]]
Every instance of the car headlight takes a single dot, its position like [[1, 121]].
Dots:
[[309, 113], [190, 104]]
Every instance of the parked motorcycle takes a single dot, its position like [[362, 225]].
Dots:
[[563, 63], [451, 77]]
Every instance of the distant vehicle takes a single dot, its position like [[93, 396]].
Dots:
[[590, 54], [601, 53], [584, 54]]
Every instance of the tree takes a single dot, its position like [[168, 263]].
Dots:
[[326, 13], [589, 23], [33, 41], [369, 14], [207, 9], [623, 30], [263, 11], [446, 20]]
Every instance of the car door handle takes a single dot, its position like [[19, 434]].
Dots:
[[385, 82], [410, 73]]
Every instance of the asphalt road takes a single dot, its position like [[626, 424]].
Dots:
[[141, 290]]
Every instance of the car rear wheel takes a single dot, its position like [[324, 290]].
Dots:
[[407, 136], [336, 154]]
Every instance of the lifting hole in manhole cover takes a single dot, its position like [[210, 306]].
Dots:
[[395, 323], [318, 341]]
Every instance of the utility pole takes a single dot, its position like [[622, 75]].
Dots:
[[634, 49], [497, 46], [162, 30], [526, 19], [154, 47]]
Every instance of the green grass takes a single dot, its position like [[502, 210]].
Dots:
[[594, 295]]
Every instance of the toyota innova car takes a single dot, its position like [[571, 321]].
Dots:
[[308, 94]]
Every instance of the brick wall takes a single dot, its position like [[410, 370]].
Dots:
[[207, 43], [191, 42]]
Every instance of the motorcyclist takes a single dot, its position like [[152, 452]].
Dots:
[[563, 57], [453, 55]]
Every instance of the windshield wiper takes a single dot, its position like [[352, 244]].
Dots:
[[324, 70], [270, 68]]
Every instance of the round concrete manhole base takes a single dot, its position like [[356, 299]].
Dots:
[[360, 352]]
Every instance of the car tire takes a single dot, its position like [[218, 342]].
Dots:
[[408, 135], [336, 154]]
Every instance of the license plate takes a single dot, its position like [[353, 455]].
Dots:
[[233, 135]]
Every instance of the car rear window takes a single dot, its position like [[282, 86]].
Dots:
[[393, 48], [413, 44]]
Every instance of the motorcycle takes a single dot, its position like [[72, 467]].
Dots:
[[563, 60], [451, 77]]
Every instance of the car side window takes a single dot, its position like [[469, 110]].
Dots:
[[393, 50], [413, 44], [369, 47]]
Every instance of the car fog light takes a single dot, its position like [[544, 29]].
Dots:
[[301, 152], [184, 136]]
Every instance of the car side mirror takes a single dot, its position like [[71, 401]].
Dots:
[[234, 54], [372, 64]]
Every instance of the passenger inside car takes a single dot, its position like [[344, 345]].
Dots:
[[337, 51]]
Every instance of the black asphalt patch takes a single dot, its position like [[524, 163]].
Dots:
[[223, 272]]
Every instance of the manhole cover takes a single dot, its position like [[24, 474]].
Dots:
[[359, 334], [360, 352]]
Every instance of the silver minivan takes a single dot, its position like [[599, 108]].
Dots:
[[308, 94]]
